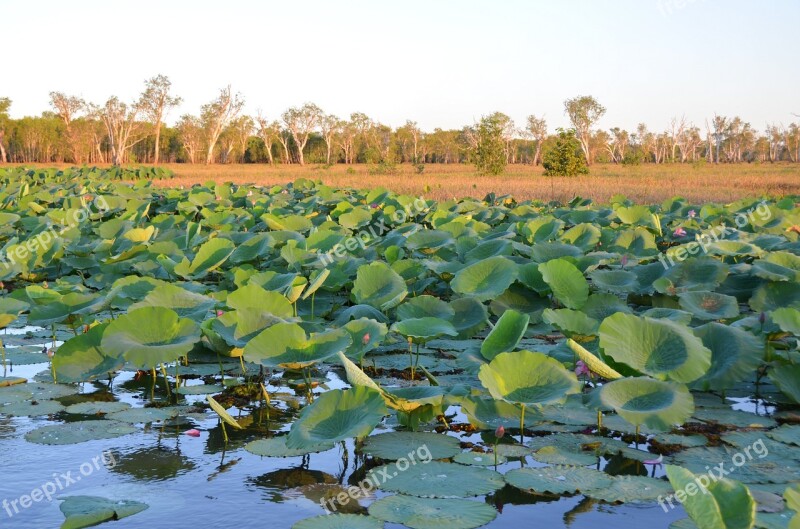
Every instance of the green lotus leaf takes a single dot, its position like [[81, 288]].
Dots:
[[379, 286], [425, 306], [421, 330], [631, 489], [778, 266], [319, 279], [505, 335], [337, 415], [339, 521], [81, 358], [470, 317], [722, 504], [709, 305], [143, 415], [210, 256], [663, 313], [621, 281], [186, 304], [528, 378], [150, 336], [286, 345], [428, 241], [553, 455], [583, 235], [65, 306], [479, 459], [485, 279], [432, 513], [566, 281], [787, 319], [659, 348], [86, 511], [398, 445], [287, 223], [697, 273], [276, 447], [599, 306], [10, 310], [97, 408], [78, 432], [775, 295], [787, 379], [557, 479], [637, 241], [571, 322], [31, 408], [645, 401], [488, 413], [735, 355], [548, 251], [788, 434], [365, 335], [437, 479], [542, 229]]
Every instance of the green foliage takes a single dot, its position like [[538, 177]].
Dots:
[[564, 157], [488, 153]]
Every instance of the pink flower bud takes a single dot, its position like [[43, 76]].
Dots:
[[365, 339], [192, 433], [500, 432], [581, 368], [220, 313], [679, 232]]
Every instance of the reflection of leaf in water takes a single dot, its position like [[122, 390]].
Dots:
[[222, 469], [583, 506], [152, 464], [278, 481], [327, 492], [619, 465]]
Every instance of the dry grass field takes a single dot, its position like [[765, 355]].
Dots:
[[646, 183]]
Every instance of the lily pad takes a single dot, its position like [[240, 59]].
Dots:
[[97, 408], [143, 415], [78, 432], [276, 447], [479, 459], [437, 479], [554, 455], [557, 479], [430, 513], [397, 445], [631, 489], [86, 511], [339, 521]]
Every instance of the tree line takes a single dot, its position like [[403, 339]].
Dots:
[[118, 132]]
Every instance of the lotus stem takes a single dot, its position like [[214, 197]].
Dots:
[[410, 359], [522, 424], [312, 304], [166, 381], [637, 437], [599, 420], [224, 433], [153, 384]]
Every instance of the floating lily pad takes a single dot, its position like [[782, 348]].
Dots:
[[682, 440], [78, 432], [554, 455], [86, 511], [478, 459], [397, 445], [788, 433], [276, 447], [437, 479], [97, 408], [557, 480], [646, 401], [429, 513], [339, 521], [199, 389], [143, 415], [631, 489], [31, 408]]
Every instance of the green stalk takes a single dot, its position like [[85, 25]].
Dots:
[[522, 424]]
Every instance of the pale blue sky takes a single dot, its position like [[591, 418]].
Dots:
[[442, 63]]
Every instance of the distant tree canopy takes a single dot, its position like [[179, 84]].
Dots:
[[564, 157], [116, 131]]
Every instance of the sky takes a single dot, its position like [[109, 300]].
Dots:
[[440, 63]]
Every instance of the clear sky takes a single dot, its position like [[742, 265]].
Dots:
[[441, 63]]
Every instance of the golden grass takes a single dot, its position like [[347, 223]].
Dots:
[[647, 183]]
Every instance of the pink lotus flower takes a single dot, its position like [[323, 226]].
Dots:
[[656, 462], [500, 432], [624, 260], [581, 368], [192, 433], [51, 353], [692, 213], [679, 232], [365, 339], [220, 313]]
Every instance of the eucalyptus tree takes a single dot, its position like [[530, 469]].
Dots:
[[5, 104], [301, 122], [584, 112], [156, 102], [268, 131], [218, 114], [329, 126], [537, 129], [68, 108]]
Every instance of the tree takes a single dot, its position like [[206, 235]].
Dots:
[[156, 102], [584, 112], [5, 104], [537, 129], [190, 131], [216, 115], [121, 126], [329, 125], [488, 151], [268, 132], [564, 157], [301, 122], [67, 108]]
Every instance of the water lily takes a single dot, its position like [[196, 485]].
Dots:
[[679, 232], [624, 260], [365, 339], [193, 432], [500, 432], [220, 312], [692, 213]]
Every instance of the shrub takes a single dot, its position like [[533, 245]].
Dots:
[[564, 158], [489, 151], [383, 168]]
